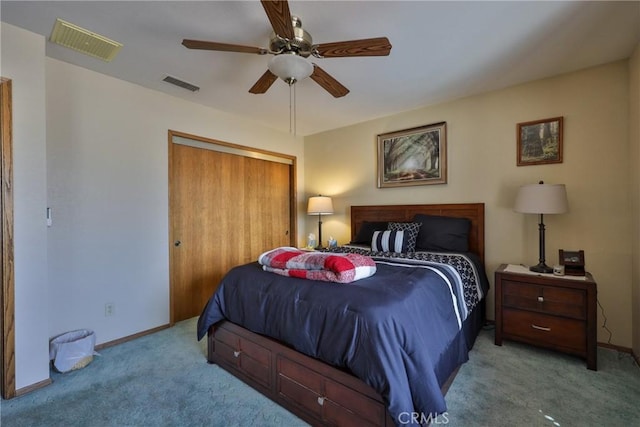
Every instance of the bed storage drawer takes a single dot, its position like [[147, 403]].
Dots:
[[362, 409], [326, 398], [244, 355], [316, 392]]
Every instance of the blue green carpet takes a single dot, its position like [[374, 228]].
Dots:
[[163, 379], [520, 385]]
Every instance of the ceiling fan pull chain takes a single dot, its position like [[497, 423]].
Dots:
[[295, 110], [290, 108]]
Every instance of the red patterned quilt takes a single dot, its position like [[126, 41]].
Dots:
[[315, 265]]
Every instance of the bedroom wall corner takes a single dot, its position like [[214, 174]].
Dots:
[[107, 158], [23, 61], [634, 148], [481, 132]]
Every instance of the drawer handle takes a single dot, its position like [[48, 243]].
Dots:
[[540, 299], [540, 328], [236, 353], [321, 401]]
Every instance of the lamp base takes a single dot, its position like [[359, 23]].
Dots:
[[541, 268]]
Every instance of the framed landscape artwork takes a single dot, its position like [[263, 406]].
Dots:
[[540, 142], [416, 156]]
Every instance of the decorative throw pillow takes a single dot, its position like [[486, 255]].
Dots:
[[442, 233], [365, 233], [389, 241], [411, 230]]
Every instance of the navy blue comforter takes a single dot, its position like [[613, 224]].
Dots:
[[397, 330]]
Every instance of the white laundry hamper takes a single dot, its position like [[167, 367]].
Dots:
[[72, 350]]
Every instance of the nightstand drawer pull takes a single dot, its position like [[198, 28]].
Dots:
[[236, 353], [540, 299], [540, 328], [321, 401]]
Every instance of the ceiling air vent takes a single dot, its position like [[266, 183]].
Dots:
[[180, 83], [84, 41]]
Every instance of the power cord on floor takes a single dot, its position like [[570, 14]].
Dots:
[[604, 324], [621, 354], [488, 326]]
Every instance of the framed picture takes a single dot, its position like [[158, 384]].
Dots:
[[540, 142], [416, 156]]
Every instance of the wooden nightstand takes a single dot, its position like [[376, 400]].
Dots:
[[556, 312]]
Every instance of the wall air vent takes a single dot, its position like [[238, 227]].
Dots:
[[180, 83], [84, 41]]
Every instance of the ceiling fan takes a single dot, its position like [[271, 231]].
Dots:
[[291, 45]]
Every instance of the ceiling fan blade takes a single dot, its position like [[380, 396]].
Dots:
[[225, 47], [379, 46], [264, 83], [329, 84], [279, 16]]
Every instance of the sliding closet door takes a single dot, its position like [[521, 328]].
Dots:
[[226, 207]]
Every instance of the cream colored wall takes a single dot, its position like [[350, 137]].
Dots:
[[634, 139], [482, 168]]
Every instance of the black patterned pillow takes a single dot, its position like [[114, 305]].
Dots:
[[411, 230], [389, 241]]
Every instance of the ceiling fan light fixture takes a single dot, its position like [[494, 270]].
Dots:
[[290, 67]]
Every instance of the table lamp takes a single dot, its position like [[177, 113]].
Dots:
[[542, 199], [320, 205]]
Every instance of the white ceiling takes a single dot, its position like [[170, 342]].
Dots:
[[441, 50]]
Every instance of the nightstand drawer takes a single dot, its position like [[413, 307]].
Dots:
[[553, 300], [545, 330]]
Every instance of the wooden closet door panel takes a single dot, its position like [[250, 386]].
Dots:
[[197, 188], [266, 206], [225, 210]]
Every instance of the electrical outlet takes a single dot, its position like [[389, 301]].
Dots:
[[109, 309]]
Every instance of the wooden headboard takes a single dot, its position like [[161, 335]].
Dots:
[[405, 213]]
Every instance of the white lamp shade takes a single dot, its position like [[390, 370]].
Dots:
[[320, 205], [542, 199], [290, 66]]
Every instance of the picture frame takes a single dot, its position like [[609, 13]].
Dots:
[[539, 142], [416, 156]]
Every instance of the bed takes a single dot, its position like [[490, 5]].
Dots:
[[366, 353]]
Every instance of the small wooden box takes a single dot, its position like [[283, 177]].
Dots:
[[573, 262]]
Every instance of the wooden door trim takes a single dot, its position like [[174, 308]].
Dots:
[[7, 299], [235, 150], [289, 159]]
